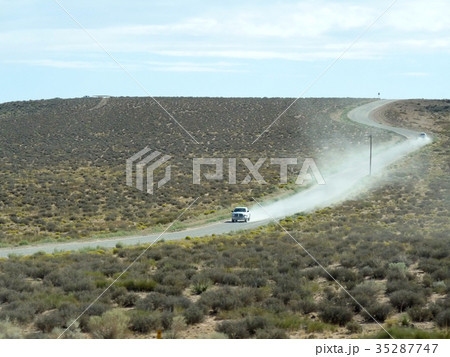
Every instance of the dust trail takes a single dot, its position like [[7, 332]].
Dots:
[[339, 185]]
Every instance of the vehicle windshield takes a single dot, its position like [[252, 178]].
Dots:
[[239, 209]]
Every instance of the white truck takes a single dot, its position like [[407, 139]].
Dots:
[[240, 214]]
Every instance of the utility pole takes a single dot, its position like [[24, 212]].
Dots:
[[370, 155]]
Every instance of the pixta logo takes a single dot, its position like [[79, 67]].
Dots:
[[147, 161], [141, 161]]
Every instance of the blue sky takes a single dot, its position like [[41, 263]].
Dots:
[[243, 48]]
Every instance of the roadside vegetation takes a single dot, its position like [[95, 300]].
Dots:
[[388, 247]]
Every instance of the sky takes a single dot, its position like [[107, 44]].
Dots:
[[245, 48]]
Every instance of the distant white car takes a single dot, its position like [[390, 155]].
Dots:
[[240, 214], [422, 135]]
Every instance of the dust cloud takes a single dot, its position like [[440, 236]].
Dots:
[[347, 179]]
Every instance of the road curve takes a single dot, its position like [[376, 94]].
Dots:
[[360, 115]]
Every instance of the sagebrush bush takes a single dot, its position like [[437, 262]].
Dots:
[[18, 312], [233, 329], [254, 323], [157, 301], [377, 311], [46, 323], [353, 327], [338, 315], [443, 319], [404, 299], [194, 314], [272, 333], [305, 306], [221, 299], [145, 321], [112, 324], [419, 314], [10, 330]]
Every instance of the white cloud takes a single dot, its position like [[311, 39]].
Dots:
[[429, 16], [303, 31]]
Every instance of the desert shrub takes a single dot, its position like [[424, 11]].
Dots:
[[138, 284], [10, 330], [252, 278], [178, 325], [404, 299], [97, 309], [69, 280], [395, 285], [126, 299], [338, 315], [145, 321], [156, 301], [345, 276], [364, 294], [379, 272], [305, 306], [233, 329], [21, 312], [288, 321], [8, 295], [167, 319], [200, 283], [353, 327], [46, 323], [312, 273], [221, 299], [254, 323], [443, 319], [273, 333], [112, 324], [378, 311], [419, 314], [218, 276], [193, 314], [441, 274], [274, 305], [396, 271]]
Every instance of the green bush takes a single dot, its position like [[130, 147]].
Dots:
[[10, 330], [443, 319], [138, 284], [21, 312], [353, 327], [338, 315], [200, 284], [233, 329], [378, 311], [46, 323], [112, 324], [254, 323], [193, 314], [404, 299], [145, 321], [221, 299], [273, 333], [419, 314]]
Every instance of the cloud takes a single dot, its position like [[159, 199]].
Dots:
[[300, 31], [64, 64]]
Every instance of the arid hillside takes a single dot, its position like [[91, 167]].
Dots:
[[63, 161]]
